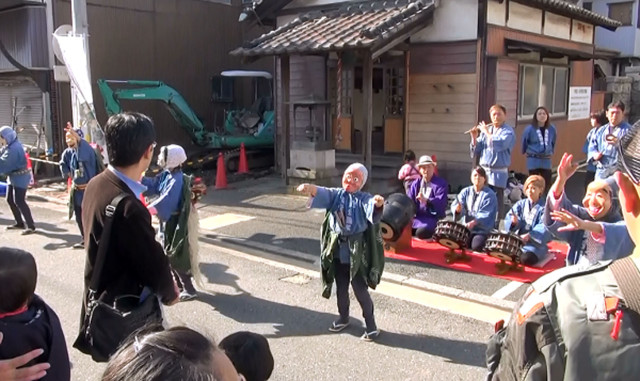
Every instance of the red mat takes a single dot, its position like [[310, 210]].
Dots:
[[481, 263]]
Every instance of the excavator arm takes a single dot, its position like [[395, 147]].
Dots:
[[113, 91]]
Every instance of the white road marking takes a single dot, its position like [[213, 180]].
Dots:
[[431, 299], [222, 220], [507, 290]]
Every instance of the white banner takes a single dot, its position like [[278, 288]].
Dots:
[[75, 60], [579, 102]]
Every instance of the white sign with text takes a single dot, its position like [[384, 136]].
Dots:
[[579, 102]]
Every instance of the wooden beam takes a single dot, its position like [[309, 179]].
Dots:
[[367, 108], [285, 72]]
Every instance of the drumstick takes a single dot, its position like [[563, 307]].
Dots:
[[476, 128]]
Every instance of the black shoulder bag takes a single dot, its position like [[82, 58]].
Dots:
[[106, 326]]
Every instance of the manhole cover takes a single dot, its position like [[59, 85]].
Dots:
[[297, 279]]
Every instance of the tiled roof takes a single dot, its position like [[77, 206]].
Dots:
[[354, 26], [568, 9]]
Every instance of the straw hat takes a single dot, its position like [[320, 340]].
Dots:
[[426, 160]]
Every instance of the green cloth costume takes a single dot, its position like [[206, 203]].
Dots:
[[176, 234], [367, 255]]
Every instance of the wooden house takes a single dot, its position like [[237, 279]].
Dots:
[[416, 74]]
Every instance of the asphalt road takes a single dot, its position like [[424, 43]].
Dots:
[[278, 296]]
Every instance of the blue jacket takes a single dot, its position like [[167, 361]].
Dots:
[[80, 164], [591, 167], [538, 149], [13, 161], [609, 161], [483, 210], [168, 186], [495, 154], [618, 243], [531, 221]]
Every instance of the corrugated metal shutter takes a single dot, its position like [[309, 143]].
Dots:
[[29, 109]]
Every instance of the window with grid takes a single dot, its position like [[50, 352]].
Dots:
[[621, 12], [542, 85]]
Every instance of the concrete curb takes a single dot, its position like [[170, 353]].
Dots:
[[233, 243]]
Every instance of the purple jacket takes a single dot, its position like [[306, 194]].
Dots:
[[435, 208]]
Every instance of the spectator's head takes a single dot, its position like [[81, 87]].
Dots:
[[629, 183], [250, 354], [541, 117], [178, 353], [409, 155], [615, 112], [7, 135], [171, 156], [498, 114], [533, 187], [18, 275], [130, 138], [354, 177], [478, 177], [598, 118]]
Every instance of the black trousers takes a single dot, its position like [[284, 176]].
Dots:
[[422, 233], [477, 241], [77, 211], [588, 178], [546, 175], [360, 290], [500, 196], [16, 198]]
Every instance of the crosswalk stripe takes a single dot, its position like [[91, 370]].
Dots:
[[222, 220]]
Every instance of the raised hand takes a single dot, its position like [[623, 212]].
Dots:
[[567, 167], [379, 200], [572, 222]]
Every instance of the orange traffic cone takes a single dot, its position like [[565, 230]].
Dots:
[[221, 173], [30, 168], [243, 167], [435, 160]]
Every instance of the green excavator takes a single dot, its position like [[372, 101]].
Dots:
[[253, 127]]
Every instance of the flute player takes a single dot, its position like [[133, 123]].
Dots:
[[493, 144]]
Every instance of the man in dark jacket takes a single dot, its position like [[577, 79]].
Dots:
[[576, 323], [135, 263]]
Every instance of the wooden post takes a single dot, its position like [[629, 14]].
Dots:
[[367, 108], [285, 73]]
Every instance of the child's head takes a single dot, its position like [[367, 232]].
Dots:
[[18, 275], [354, 177], [533, 187], [250, 354], [409, 155]]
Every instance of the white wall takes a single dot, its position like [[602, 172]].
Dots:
[[453, 20], [625, 39], [524, 18]]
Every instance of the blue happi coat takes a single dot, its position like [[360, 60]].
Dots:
[[167, 186], [79, 163], [591, 167], [537, 148], [482, 208], [495, 154], [13, 162], [607, 164], [617, 244], [349, 213], [530, 220]]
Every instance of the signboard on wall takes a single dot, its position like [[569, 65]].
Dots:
[[579, 102]]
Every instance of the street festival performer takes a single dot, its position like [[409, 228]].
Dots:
[[351, 244], [429, 193], [594, 230], [602, 146], [492, 144], [576, 323], [174, 207], [525, 220], [80, 163]]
